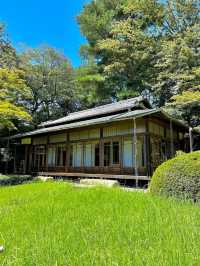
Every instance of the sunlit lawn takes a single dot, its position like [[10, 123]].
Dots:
[[57, 224]]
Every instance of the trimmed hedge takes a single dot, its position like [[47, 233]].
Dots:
[[178, 177], [14, 179]]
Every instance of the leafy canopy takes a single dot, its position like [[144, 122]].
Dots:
[[50, 77], [144, 45], [13, 92]]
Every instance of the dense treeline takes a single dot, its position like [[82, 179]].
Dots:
[[35, 86], [146, 46], [134, 47]]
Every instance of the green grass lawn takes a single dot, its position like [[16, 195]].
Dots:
[[57, 224]]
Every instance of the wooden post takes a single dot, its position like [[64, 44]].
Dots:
[[171, 139], [135, 150], [121, 152], [101, 150], [26, 159], [47, 149], [147, 148], [8, 153], [67, 163], [30, 159], [191, 139], [15, 154]]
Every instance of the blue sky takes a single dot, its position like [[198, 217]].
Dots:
[[35, 22]]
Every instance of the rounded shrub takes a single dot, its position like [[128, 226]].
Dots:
[[178, 177]]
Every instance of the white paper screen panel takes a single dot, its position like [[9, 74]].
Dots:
[[88, 155], [128, 153], [77, 155], [51, 156]]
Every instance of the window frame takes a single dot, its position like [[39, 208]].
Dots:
[[58, 159], [111, 141]]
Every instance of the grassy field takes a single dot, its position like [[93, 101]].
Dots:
[[57, 224]]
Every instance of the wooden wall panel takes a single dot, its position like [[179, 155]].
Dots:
[[156, 129], [94, 133], [26, 141], [84, 134], [57, 138], [40, 140], [125, 128]]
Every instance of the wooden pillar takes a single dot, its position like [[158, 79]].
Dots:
[[67, 163], [135, 149], [47, 148], [171, 139], [8, 153], [101, 150], [15, 153], [30, 159], [121, 154], [147, 149], [25, 159], [191, 139]]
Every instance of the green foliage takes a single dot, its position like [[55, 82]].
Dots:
[[122, 48], [180, 15], [145, 45], [8, 57], [89, 85], [13, 92], [13, 88], [178, 177], [95, 20], [178, 64], [186, 106], [50, 77], [62, 225], [134, 46]]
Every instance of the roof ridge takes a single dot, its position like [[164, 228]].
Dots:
[[134, 99]]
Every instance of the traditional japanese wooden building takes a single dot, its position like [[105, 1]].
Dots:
[[122, 140]]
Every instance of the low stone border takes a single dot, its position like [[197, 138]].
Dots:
[[14, 179], [99, 182]]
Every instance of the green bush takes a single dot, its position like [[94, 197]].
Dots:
[[178, 177], [6, 180]]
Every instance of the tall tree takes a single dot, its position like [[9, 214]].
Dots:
[[8, 57], [95, 23], [50, 77], [125, 46], [186, 106], [13, 93], [146, 45], [89, 85], [13, 88], [178, 58]]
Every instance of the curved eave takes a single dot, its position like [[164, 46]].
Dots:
[[103, 120]]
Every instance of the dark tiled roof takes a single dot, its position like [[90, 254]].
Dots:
[[101, 120], [98, 111]]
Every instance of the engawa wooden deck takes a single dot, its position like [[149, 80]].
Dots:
[[100, 176]]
